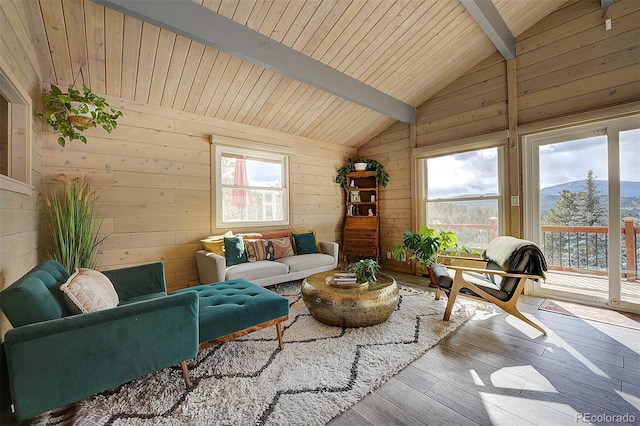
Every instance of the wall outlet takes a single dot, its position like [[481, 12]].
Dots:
[[389, 255], [515, 201], [607, 24]]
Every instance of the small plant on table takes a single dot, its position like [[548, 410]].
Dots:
[[365, 270]]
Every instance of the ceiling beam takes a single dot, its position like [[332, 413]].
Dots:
[[606, 3], [491, 22], [198, 23]]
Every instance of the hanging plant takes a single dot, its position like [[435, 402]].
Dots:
[[382, 177], [73, 112]]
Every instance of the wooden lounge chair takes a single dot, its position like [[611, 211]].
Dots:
[[498, 277]]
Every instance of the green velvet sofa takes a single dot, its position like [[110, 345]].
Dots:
[[56, 358]]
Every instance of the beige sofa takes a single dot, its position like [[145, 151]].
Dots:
[[213, 268]]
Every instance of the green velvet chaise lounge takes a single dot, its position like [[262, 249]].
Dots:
[[233, 308], [55, 357]]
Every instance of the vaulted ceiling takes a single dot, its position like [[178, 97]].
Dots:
[[407, 49]]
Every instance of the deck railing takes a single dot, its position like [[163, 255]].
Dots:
[[580, 248], [569, 248]]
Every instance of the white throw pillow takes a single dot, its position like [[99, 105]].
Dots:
[[87, 290]]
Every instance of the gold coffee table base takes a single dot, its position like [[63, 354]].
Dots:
[[350, 307]]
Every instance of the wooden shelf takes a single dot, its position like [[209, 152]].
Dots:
[[362, 231]]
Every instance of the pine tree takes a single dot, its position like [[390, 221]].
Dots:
[[591, 209], [565, 211], [579, 208]]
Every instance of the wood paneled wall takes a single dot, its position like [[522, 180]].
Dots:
[[19, 213], [392, 148], [154, 185], [566, 64]]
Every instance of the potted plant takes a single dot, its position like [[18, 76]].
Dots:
[[426, 245], [382, 177], [365, 270], [73, 112], [74, 226]]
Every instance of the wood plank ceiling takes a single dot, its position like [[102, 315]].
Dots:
[[408, 49]]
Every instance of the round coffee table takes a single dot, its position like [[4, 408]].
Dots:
[[359, 306]]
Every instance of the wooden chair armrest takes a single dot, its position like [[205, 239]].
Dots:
[[465, 258], [493, 272], [473, 262]]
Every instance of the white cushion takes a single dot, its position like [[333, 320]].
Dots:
[[87, 290]]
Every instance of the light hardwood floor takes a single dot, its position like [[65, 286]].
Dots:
[[496, 370]]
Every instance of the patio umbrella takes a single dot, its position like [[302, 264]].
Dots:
[[241, 198]]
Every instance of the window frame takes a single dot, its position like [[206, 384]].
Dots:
[[223, 145], [498, 140], [19, 132], [559, 131]]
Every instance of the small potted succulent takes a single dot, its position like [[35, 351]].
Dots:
[[73, 112], [382, 177], [365, 270]]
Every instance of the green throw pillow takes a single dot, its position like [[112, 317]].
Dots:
[[305, 243], [235, 251]]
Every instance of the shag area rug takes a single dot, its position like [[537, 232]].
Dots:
[[321, 372]]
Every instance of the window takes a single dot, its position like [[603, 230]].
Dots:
[[15, 134], [462, 192], [251, 187]]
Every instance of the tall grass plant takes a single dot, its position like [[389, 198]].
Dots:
[[75, 228]]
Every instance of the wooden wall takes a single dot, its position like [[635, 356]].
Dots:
[[19, 213], [153, 174], [392, 149], [566, 64]]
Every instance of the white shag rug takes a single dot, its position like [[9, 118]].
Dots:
[[322, 371]]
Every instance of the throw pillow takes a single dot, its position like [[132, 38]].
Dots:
[[306, 231], [235, 250], [255, 250], [305, 243], [87, 290], [215, 243], [282, 247]]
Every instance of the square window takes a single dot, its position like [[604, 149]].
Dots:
[[463, 194], [251, 187]]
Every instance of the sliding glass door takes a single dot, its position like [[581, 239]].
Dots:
[[582, 206]]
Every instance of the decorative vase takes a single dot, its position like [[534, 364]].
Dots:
[[360, 166]]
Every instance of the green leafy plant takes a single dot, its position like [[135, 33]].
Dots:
[[382, 177], [426, 245], [60, 113], [74, 226], [365, 270]]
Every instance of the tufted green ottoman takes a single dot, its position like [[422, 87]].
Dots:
[[230, 309]]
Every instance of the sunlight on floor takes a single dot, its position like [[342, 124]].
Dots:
[[476, 378], [482, 315], [561, 344], [495, 401], [527, 372], [525, 328], [631, 399]]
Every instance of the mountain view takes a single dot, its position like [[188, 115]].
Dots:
[[629, 195]]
